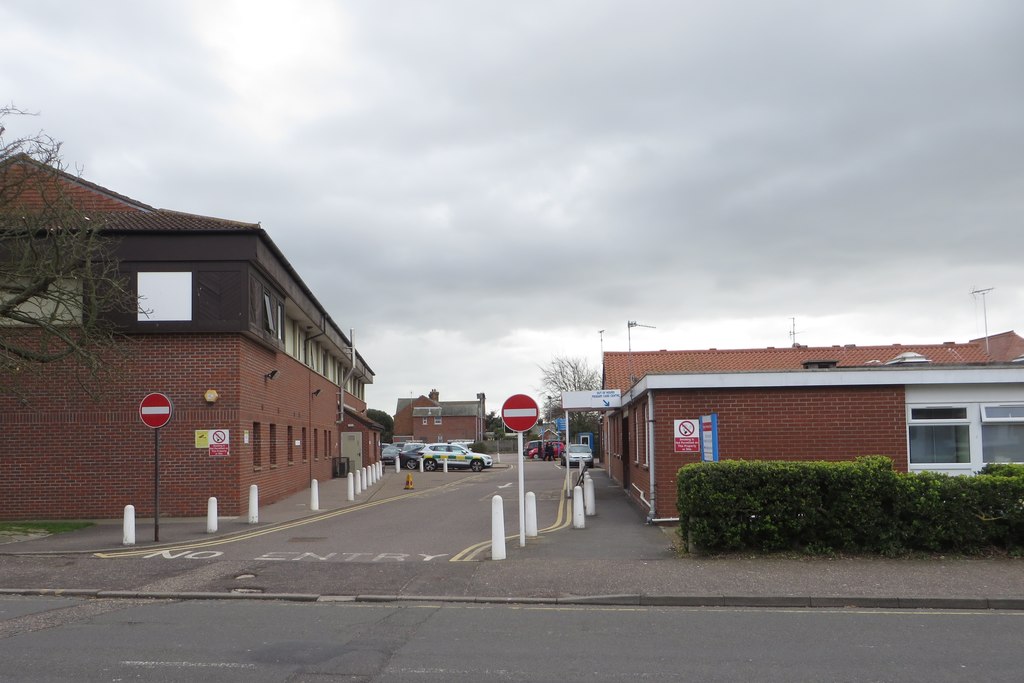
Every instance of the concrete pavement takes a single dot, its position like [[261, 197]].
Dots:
[[616, 559]]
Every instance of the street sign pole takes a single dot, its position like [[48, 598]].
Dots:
[[156, 485], [155, 411], [522, 495]]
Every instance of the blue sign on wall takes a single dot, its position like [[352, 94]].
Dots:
[[709, 437]]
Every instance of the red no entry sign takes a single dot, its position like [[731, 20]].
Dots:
[[519, 413], [155, 410]]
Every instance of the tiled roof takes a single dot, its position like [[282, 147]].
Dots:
[[619, 365], [160, 220], [1005, 346]]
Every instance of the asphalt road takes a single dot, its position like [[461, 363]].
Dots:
[[58, 639]]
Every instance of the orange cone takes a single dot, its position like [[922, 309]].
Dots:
[[408, 482]]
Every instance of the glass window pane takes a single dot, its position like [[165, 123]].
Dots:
[[1004, 412], [945, 413], [940, 444], [1002, 442]]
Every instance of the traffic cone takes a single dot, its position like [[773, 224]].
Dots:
[[408, 482]]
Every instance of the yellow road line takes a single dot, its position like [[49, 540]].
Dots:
[[562, 519]]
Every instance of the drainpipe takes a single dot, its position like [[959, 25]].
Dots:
[[650, 452]]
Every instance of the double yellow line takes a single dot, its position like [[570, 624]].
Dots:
[[562, 519]]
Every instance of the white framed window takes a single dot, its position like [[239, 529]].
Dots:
[[424, 420], [164, 296], [437, 420], [939, 435], [1002, 433]]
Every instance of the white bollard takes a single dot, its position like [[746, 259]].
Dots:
[[366, 478], [351, 485], [421, 465], [129, 525], [314, 495], [590, 505], [211, 515], [578, 521], [497, 529], [254, 504], [359, 482], [398, 464], [531, 514], [445, 465]]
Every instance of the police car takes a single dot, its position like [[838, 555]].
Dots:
[[457, 456]]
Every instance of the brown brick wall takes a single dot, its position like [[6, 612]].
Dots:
[[66, 454], [766, 424]]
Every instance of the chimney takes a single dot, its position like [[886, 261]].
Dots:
[[434, 396]]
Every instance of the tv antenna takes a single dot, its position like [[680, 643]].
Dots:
[[793, 333], [984, 313], [629, 345]]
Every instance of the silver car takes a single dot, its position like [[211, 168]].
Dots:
[[578, 453]]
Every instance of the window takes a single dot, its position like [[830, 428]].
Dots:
[[939, 434], [273, 445], [291, 445], [257, 446], [164, 296], [424, 420], [1002, 433], [305, 456], [437, 420], [316, 445]]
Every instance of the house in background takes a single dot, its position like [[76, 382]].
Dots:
[[943, 407], [430, 420], [231, 334]]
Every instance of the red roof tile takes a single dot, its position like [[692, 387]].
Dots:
[[620, 365]]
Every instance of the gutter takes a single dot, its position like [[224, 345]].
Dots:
[[650, 454]]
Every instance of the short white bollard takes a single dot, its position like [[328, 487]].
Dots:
[[588, 496], [497, 529], [366, 478], [211, 515], [129, 525], [398, 464], [445, 465], [314, 495], [254, 504], [359, 482], [578, 520], [351, 483], [421, 465], [531, 514]]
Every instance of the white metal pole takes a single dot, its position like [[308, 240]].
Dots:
[[578, 513], [211, 515], [590, 504], [254, 504], [568, 479], [314, 495], [522, 498], [531, 514], [129, 525], [351, 483], [497, 529]]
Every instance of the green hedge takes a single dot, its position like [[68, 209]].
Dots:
[[857, 506]]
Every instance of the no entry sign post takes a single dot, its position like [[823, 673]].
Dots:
[[520, 413], [155, 411]]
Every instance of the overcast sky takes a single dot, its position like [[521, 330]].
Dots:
[[476, 187]]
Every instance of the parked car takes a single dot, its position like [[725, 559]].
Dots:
[[533, 449], [578, 453], [456, 455], [409, 456], [388, 455]]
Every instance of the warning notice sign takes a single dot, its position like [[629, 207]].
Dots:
[[687, 436]]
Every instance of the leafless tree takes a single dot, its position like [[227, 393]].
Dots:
[[565, 373], [58, 278]]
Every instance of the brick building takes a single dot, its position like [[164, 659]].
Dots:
[[430, 420], [229, 332], [946, 407]]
